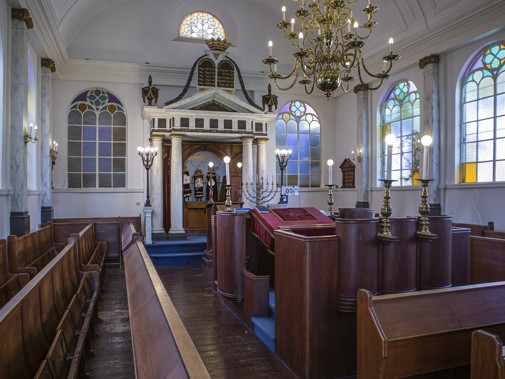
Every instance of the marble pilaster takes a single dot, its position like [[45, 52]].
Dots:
[[362, 139], [45, 139], [176, 216], [148, 224], [21, 22], [430, 123], [248, 165], [262, 158], [156, 190]]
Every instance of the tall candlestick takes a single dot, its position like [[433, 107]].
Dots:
[[227, 165], [390, 141], [426, 142], [330, 171]]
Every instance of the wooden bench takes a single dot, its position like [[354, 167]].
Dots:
[[10, 284], [487, 259], [128, 235], [423, 332], [91, 252], [40, 324], [161, 345], [487, 356], [32, 252], [107, 229], [475, 229]]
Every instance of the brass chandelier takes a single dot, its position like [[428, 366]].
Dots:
[[328, 43]]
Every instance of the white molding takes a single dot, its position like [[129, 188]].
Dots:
[[97, 190]]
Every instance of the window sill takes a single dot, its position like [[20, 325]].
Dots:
[[97, 190], [476, 185]]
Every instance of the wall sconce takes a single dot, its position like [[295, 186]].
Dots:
[[31, 135], [357, 157]]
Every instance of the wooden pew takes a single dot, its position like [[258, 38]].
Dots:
[[10, 284], [90, 251], [487, 259], [29, 322], [487, 356], [161, 345], [31, 252], [494, 234], [107, 229], [424, 332], [475, 229], [128, 235]]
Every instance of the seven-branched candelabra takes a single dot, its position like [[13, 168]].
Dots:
[[147, 154]]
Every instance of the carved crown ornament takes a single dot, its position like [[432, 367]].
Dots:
[[217, 46]]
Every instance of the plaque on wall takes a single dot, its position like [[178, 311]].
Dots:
[[348, 173], [225, 74], [206, 73]]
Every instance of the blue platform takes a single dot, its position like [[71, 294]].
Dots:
[[264, 327], [175, 253]]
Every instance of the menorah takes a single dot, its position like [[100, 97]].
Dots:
[[261, 193]]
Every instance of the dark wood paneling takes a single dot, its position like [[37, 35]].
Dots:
[[460, 256], [487, 356], [487, 259]]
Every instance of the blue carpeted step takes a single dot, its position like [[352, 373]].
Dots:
[[173, 253], [271, 302], [264, 328]]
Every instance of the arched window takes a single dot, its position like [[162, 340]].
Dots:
[[201, 25], [297, 128], [401, 116], [483, 117], [96, 141]]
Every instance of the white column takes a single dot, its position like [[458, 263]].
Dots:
[[156, 189], [362, 168], [262, 160], [45, 139], [21, 22], [430, 124], [248, 165], [176, 221]]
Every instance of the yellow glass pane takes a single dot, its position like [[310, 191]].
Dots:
[[469, 172]]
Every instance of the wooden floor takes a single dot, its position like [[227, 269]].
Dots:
[[228, 348]]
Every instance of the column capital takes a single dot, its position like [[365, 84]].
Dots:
[[262, 139], [48, 63], [24, 15], [175, 136], [430, 59], [360, 88], [157, 138], [247, 138]]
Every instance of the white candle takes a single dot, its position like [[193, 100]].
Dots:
[[283, 13], [330, 171], [426, 142], [348, 25], [390, 141], [227, 165], [300, 40], [391, 45], [355, 29], [292, 25], [270, 48]]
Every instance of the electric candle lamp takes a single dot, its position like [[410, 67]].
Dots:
[[391, 45], [270, 48], [390, 141], [330, 171], [283, 13], [292, 25], [227, 164], [426, 142]]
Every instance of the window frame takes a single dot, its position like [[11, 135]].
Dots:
[[200, 39]]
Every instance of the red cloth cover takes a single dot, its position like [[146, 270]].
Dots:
[[264, 224]]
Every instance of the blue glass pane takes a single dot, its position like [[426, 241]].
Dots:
[[104, 165], [395, 128], [304, 140], [315, 127], [303, 126], [280, 139], [292, 140], [104, 133], [314, 154], [315, 168], [304, 168], [291, 126], [304, 154], [104, 149], [303, 180], [407, 126], [88, 164], [89, 149], [294, 155], [280, 126], [315, 180], [315, 139], [89, 133], [292, 167]]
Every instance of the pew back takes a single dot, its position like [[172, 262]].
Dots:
[[31, 252], [487, 259], [162, 347], [28, 322], [409, 334], [487, 356]]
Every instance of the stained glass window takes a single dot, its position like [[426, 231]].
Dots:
[[201, 25], [483, 117], [297, 128], [96, 141], [401, 116]]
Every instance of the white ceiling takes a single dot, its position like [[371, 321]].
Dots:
[[140, 31]]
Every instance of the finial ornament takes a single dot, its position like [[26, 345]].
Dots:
[[150, 93]]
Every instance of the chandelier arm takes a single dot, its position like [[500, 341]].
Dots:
[[289, 86], [380, 75], [370, 87]]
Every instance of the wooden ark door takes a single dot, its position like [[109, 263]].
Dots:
[[196, 155]]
